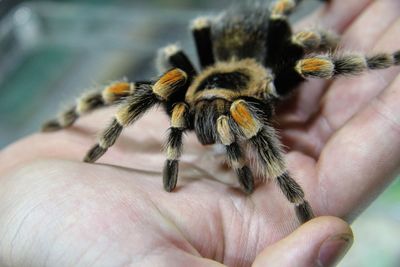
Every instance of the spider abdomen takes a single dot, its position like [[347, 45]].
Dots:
[[241, 33]]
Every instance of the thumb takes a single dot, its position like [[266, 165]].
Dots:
[[320, 242]]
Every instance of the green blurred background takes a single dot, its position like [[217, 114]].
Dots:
[[50, 51]]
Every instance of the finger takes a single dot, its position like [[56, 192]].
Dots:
[[333, 16], [379, 15], [363, 157], [348, 95], [174, 257], [320, 242], [361, 31]]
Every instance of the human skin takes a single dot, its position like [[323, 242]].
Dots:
[[343, 148]]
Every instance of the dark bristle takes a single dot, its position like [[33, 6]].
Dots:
[[397, 58], [203, 42], [264, 109], [206, 115], [141, 101], [94, 154], [51, 126], [174, 138], [282, 56], [246, 179], [234, 152], [94, 101], [69, 117], [290, 188], [268, 151], [286, 80], [111, 133], [180, 60], [304, 212], [349, 64], [380, 61], [170, 175], [279, 32]]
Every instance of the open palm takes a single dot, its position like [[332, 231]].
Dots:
[[344, 149]]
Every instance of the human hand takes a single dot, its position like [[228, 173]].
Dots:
[[67, 213], [102, 215]]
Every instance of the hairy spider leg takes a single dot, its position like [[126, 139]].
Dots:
[[235, 156], [293, 192], [110, 95], [283, 8], [281, 53], [316, 40], [172, 56], [328, 66], [201, 30], [284, 49], [142, 99], [179, 124], [292, 50], [269, 154]]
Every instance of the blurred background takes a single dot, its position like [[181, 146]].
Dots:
[[51, 51]]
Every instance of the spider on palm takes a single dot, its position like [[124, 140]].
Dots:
[[250, 60]]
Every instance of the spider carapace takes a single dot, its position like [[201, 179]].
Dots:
[[250, 59]]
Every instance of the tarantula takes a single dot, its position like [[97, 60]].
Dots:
[[250, 60]]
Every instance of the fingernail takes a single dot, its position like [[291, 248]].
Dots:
[[333, 249]]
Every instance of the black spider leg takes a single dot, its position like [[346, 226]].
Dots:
[[235, 156], [282, 55], [201, 29], [313, 40], [143, 98], [263, 139], [284, 49], [172, 56], [90, 101], [179, 124]]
